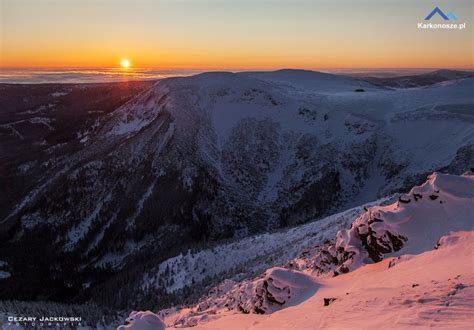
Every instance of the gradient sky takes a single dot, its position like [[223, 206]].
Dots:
[[235, 34]]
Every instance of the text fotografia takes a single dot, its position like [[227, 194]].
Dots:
[[45, 321], [442, 26]]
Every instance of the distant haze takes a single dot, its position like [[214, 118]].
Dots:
[[94, 75]]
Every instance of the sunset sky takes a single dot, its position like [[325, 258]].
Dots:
[[232, 34]]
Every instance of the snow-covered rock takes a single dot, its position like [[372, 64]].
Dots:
[[142, 321], [431, 289], [411, 225], [277, 288]]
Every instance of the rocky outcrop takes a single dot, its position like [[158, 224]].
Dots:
[[380, 232]]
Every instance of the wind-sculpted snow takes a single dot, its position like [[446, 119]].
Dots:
[[277, 288], [432, 289], [411, 225], [142, 321]]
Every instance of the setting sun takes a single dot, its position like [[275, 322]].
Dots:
[[125, 63]]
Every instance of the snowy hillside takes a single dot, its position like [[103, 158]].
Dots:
[[420, 80], [385, 263], [310, 81], [432, 289], [191, 163], [248, 256]]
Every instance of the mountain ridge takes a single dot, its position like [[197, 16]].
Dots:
[[219, 156]]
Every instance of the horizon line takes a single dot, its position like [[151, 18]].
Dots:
[[225, 68]]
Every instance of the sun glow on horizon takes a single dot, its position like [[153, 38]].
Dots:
[[125, 63], [180, 35]]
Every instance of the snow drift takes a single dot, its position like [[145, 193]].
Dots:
[[143, 321], [432, 289]]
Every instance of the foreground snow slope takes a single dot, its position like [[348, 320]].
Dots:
[[435, 288], [383, 235]]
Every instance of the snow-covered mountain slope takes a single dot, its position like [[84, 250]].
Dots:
[[442, 204], [412, 225], [432, 289], [220, 156], [419, 80], [311, 81], [247, 257]]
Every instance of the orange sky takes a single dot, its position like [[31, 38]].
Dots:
[[231, 34]]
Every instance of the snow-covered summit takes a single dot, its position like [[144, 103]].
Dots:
[[451, 74], [424, 79], [314, 81]]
